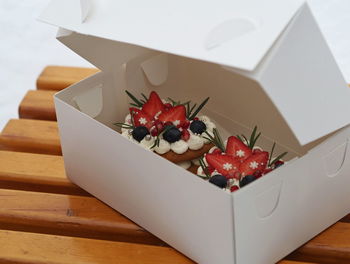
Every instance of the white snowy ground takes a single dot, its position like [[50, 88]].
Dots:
[[27, 46]]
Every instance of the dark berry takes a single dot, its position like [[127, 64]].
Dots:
[[198, 127], [139, 133], [247, 179], [219, 180], [172, 135]]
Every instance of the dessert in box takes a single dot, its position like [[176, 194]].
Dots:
[[168, 127], [262, 63]]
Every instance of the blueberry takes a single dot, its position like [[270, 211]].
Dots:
[[218, 180], [139, 133], [172, 135], [198, 127], [247, 179]]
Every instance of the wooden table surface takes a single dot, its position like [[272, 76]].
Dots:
[[44, 218]]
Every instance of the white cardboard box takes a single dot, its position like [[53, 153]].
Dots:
[[263, 63]]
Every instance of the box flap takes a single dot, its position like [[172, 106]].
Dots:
[[229, 32]]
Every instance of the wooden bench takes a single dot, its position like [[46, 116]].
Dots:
[[44, 218]]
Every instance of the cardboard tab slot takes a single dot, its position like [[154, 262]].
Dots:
[[334, 160], [267, 201], [90, 101], [156, 69]]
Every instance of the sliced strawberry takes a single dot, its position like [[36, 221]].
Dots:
[[224, 164], [237, 148], [143, 119], [256, 162], [177, 115], [153, 105], [217, 151]]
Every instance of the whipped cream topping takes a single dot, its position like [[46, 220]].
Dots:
[[163, 147], [195, 141], [179, 146]]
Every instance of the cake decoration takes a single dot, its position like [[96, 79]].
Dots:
[[237, 163], [170, 128]]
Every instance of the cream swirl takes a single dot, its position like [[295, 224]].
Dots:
[[195, 141]]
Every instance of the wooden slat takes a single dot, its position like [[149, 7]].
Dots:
[[59, 77], [30, 248], [35, 172], [38, 105], [69, 215], [332, 246], [27, 135], [294, 262]]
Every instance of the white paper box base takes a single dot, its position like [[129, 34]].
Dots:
[[295, 95]]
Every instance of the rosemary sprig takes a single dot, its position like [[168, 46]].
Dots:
[[124, 125], [277, 158], [271, 153], [252, 140], [173, 102], [204, 168], [137, 103], [193, 115], [188, 113], [216, 139], [271, 163], [144, 97]]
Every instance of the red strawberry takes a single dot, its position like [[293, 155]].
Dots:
[[224, 164], [217, 151], [237, 148], [153, 105], [143, 119], [256, 162], [176, 115], [257, 150]]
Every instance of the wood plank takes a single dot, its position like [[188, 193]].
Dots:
[[332, 246], [294, 262], [31, 248], [60, 77], [35, 172], [38, 104], [69, 215], [27, 135]]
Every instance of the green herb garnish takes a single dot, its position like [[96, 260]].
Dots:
[[216, 139]]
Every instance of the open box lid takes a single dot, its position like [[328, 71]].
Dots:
[[233, 33]]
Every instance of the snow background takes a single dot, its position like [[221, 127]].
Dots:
[[27, 46]]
